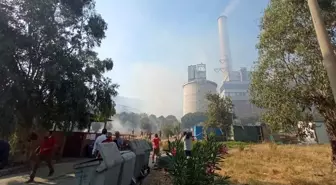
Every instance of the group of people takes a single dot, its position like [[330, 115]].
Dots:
[[187, 139], [107, 137]]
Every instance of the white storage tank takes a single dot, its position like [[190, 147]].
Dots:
[[194, 95]]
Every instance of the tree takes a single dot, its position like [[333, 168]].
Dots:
[[191, 119], [171, 129], [145, 123], [170, 119], [289, 80], [49, 71], [153, 119], [220, 112], [161, 121]]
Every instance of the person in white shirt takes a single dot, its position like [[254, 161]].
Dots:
[[99, 139], [187, 141]]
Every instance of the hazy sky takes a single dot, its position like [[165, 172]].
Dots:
[[152, 42]]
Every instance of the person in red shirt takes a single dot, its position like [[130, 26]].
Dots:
[[44, 153], [156, 147], [108, 138]]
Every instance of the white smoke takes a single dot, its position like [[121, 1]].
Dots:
[[122, 128], [159, 88], [230, 7]]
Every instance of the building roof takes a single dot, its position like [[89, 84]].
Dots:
[[234, 85]]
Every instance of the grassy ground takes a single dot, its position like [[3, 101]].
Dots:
[[271, 164], [235, 144]]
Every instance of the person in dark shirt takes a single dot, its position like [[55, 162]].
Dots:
[[118, 140], [44, 153], [4, 153]]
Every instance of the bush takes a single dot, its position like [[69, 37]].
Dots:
[[200, 169]]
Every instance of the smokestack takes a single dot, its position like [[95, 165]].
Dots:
[[225, 55]]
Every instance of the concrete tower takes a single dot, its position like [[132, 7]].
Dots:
[[225, 55], [196, 89]]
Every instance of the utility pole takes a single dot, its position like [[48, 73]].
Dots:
[[329, 58]]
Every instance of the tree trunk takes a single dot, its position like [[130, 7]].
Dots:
[[331, 130], [105, 123], [333, 149], [89, 127], [332, 138]]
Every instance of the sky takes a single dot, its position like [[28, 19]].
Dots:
[[152, 43]]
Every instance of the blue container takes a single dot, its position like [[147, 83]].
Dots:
[[217, 131], [198, 132]]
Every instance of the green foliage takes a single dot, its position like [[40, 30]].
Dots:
[[195, 170], [13, 142], [289, 78], [169, 125], [49, 73], [220, 112], [170, 119], [235, 144], [191, 119], [171, 129]]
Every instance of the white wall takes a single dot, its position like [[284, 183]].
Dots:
[[194, 95]]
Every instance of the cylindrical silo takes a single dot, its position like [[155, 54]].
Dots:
[[225, 55], [194, 95]]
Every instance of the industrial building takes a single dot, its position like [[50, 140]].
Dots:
[[237, 89], [235, 83], [196, 89]]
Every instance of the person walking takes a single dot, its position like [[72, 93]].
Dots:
[[44, 153], [187, 142], [99, 139], [156, 147]]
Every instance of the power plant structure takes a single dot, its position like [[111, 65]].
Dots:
[[196, 89], [235, 83], [225, 54]]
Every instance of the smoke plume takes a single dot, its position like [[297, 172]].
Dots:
[[230, 7]]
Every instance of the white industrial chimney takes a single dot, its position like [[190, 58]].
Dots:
[[225, 55]]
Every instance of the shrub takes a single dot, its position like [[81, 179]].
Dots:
[[200, 169]]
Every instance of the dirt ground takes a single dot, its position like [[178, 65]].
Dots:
[[157, 177]]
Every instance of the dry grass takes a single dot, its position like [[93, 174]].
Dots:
[[270, 164]]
